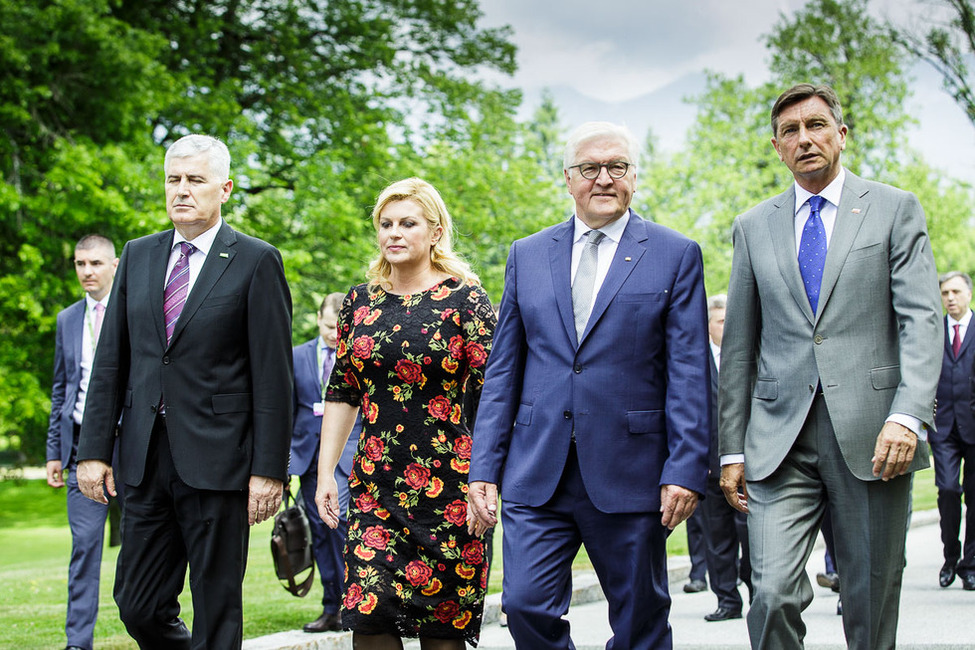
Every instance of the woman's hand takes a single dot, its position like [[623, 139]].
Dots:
[[327, 500]]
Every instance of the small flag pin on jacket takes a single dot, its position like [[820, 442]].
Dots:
[[224, 255], [627, 258], [855, 210]]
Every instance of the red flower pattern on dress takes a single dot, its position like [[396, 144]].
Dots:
[[456, 512], [377, 537], [362, 347], [418, 573], [353, 596], [473, 552], [439, 407], [417, 476], [476, 355], [408, 371], [456, 346], [462, 447], [374, 447], [446, 611]]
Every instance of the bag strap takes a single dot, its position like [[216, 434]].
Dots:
[[299, 590]]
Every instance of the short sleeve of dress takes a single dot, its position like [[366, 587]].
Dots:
[[343, 386], [479, 321]]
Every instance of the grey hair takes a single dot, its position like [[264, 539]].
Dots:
[[950, 275], [720, 301], [91, 241], [596, 131], [193, 144]]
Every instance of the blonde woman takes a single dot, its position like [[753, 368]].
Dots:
[[412, 346]]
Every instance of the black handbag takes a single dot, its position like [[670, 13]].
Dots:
[[291, 547]]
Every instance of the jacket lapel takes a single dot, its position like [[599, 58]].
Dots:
[[849, 217], [781, 224], [560, 263], [158, 261], [633, 244], [218, 259]]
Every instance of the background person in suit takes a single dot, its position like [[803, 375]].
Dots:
[[725, 528], [609, 308], [199, 367], [78, 329], [314, 361], [953, 443], [829, 366]]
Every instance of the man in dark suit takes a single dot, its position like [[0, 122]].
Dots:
[[953, 443], [313, 362], [594, 416], [78, 329], [829, 365], [725, 528], [195, 356]]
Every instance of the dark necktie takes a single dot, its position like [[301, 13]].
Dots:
[[585, 279], [174, 297], [812, 252], [956, 343]]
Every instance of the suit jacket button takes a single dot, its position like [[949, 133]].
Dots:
[[817, 339], [567, 415], [153, 408], [165, 361], [577, 368]]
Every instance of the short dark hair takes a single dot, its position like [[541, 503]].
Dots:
[[332, 301], [800, 92], [95, 241], [951, 275]]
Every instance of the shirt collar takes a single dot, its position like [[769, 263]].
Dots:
[[965, 319], [831, 192], [203, 242], [91, 302], [614, 230]]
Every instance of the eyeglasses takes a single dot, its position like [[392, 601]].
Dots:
[[590, 170]]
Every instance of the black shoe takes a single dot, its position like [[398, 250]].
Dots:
[[722, 614], [695, 586], [325, 623], [968, 582], [829, 580], [947, 575]]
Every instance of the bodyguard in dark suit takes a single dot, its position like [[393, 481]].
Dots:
[[725, 528], [829, 366], [78, 329], [313, 361], [953, 444], [195, 356], [594, 416]]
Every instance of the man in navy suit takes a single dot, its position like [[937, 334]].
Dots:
[[195, 357], [78, 329], [953, 443], [594, 416], [313, 361]]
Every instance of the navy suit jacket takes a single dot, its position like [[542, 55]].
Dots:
[[67, 377], [955, 390], [226, 374], [634, 389], [308, 426]]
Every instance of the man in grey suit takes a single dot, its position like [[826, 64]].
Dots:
[[78, 328], [830, 362]]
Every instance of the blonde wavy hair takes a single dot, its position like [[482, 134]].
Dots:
[[442, 254]]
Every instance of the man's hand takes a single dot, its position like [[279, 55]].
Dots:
[[55, 476], [263, 498], [482, 507], [895, 447], [94, 478], [677, 504], [733, 485]]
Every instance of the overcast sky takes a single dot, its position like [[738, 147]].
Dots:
[[633, 61]]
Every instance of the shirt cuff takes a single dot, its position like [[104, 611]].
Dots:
[[731, 459], [911, 423]]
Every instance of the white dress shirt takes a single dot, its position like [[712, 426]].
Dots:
[[87, 354], [607, 250], [202, 243]]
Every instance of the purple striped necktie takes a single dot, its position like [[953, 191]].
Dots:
[[174, 297]]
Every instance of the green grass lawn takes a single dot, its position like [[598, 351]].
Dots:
[[36, 545]]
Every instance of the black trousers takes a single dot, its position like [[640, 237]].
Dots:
[[167, 526]]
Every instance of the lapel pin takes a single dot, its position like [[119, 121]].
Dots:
[[225, 255], [627, 259], [855, 210]]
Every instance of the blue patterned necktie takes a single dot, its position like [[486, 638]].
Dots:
[[812, 251]]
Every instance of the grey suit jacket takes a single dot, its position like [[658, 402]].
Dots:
[[875, 344]]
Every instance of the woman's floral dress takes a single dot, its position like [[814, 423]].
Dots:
[[415, 366]]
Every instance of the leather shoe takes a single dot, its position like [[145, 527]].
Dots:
[[325, 623], [968, 582], [829, 580], [695, 586], [722, 614], [947, 575], [839, 607]]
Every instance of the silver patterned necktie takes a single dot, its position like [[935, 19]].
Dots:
[[585, 279]]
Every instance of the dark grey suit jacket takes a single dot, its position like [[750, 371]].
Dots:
[[226, 374]]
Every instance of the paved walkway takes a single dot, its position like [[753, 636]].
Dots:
[[931, 618]]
